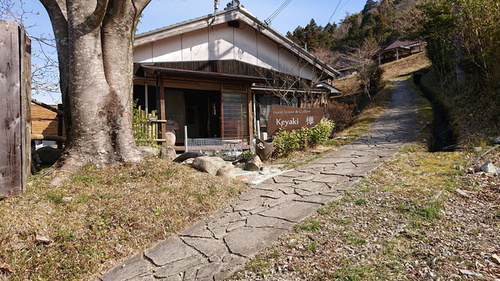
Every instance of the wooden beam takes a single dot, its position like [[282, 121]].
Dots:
[[48, 137], [46, 106]]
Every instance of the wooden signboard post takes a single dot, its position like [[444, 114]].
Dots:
[[291, 118], [15, 98]]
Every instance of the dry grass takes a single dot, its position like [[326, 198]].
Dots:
[[420, 216], [348, 85], [101, 217], [462, 104], [405, 66], [406, 221]]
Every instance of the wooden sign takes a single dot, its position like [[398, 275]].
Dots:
[[291, 118], [172, 125]]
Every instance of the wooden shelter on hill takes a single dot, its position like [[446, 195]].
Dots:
[[219, 74], [399, 49]]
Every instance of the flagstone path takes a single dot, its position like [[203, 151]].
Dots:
[[214, 249]]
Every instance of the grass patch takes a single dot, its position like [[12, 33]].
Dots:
[[360, 202], [312, 246], [102, 216], [310, 225], [351, 273], [259, 266], [352, 239], [329, 207]]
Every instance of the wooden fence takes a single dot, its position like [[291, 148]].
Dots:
[[15, 97], [146, 125]]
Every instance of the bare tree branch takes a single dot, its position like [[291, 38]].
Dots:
[[45, 76]]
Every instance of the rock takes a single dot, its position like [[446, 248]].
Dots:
[[264, 149], [148, 151], [5, 268], [489, 168], [496, 258], [253, 163], [167, 153], [208, 164], [48, 155], [170, 138], [227, 171], [463, 193], [42, 238], [470, 273], [186, 155]]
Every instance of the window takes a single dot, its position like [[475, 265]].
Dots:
[[235, 115]]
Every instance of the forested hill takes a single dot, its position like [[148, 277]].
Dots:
[[379, 21], [462, 39]]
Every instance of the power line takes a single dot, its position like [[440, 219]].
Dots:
[[277, 12], [334, 11], [345, 4]]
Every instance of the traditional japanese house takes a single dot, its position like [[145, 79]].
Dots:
[[398, 50], [215, 76]]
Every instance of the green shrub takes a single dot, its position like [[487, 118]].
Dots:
[[288, 141], [320, 133]]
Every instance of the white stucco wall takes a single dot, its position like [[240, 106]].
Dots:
[[221, 42]]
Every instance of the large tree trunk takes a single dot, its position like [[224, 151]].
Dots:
[[95, 46]]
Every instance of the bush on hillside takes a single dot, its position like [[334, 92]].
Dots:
[[342, 114]]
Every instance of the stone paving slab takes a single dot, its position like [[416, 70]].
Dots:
[[215, 248]]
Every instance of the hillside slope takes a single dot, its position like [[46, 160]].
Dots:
[[420, 216]]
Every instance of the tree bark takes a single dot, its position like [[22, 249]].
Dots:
[[95, 50]]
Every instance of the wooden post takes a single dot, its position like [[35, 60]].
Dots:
[[60, 125], [146, 98], [250, 111], [163, 114], [222, 123], [15, 117]]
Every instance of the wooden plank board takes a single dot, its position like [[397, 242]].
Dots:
[[40, 113], [25, 49], [10, 115], [44, 121], [44, 127]]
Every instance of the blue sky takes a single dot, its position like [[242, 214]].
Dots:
[[160, 13]]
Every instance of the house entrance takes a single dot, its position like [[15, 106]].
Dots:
[[203, 114]]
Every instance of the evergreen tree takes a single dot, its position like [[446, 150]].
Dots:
[[370, 5], [313, 36]]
